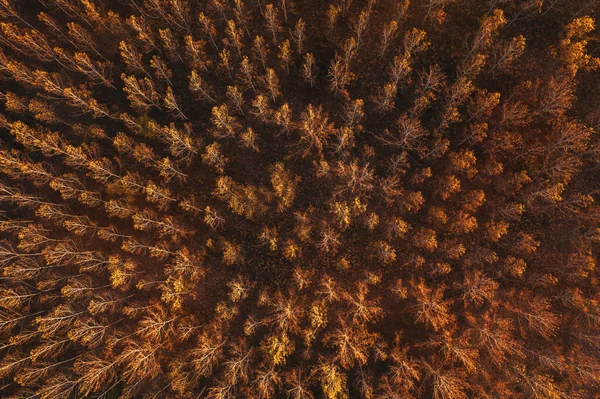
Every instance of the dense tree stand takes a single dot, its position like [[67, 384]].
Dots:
[[377, 199]]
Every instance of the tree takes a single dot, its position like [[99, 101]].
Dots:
[[540, 385], [277, 348], [267, 381], [297, 385], [199, 86], [141, 363], [156, 326], [159, 195], [236, 99], [299, 36], [261, 109], [29, 41], [232, 253], [309, 69], [430, 308], [572, 46], [248, 139], [361, 25], [144, 154], [181, 144], [132, 58], [271, 21], [384, 100], [539, 317], [140, 92], [146, 221], [207, 353], [95, 70], [390, 32], [488, 30], [333, 382], [144, 34], [14, 103], [236, 368], [96, 373], [363, 310], [477, 288], [354, 114], [285, 55], [169, 43], [225, 125], [59, 320], [234, 37], [284, 185], [247, 73], [225, 62], [195, 53], [260, 50], [339, 75], [272, 84], [503, 58], [463, 161], [59, 384], [208, 29], [446, 384], [351, 345], [333, 13], [170, 104], [355, 178], [384, 252], [283, 118], [314, 129], [213, 157]]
